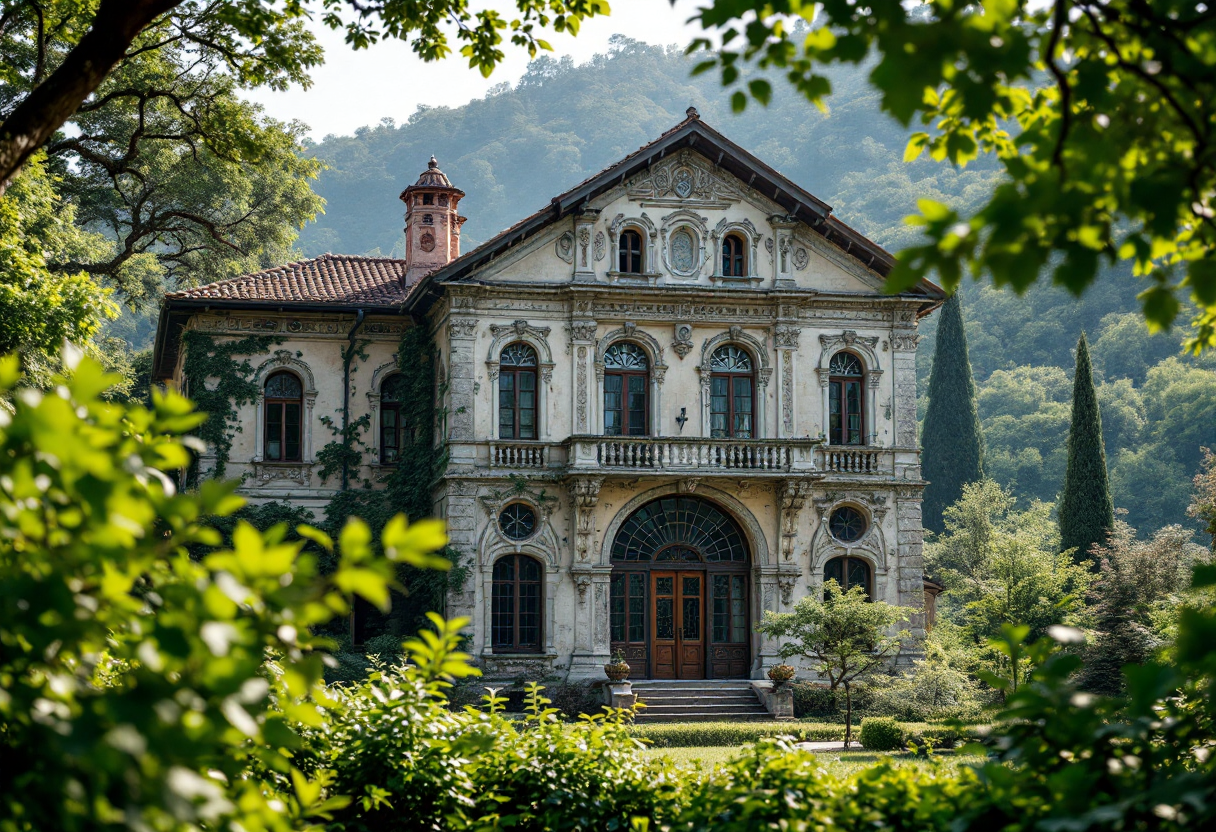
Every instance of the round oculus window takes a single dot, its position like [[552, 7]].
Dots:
[[517, 521], [847, 524]]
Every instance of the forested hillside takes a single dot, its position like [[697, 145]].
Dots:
[[521, 145]]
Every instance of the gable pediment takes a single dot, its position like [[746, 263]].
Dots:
[[686, 180]]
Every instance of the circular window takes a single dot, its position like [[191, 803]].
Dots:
[[517, 521], [847, 524]]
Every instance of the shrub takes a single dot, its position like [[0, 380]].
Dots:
[[690, 734], [813, 700], [881, 733]]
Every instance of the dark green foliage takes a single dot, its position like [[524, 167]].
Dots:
[[881, 733], [816, 700], [953, 446], [1087, 514], [226, 365], [725, 734]]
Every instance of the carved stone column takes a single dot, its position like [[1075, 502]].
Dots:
[[585, 246], [582, 347], [591, 640], [785, 336]]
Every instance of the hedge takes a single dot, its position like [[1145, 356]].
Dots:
[[690, 734]]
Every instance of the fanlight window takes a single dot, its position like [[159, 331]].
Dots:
[[847, 524], [679, 529], [626, 356], [732, 394], [850, 572], [515, 606], [283, 426], [517, 521], [393, 432], [846, 409], [626, 390], [517, 392]]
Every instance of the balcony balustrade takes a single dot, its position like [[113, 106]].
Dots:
[[855, 460]]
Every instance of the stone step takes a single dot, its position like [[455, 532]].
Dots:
[[704, 699], [685, 707], [705, 716]]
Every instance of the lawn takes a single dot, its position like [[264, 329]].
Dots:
[[706, 757]]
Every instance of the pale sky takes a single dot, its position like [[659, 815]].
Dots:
[[359, 88]]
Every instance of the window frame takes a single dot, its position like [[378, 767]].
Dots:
[[626, 254], [736, 258], [625, 375], [271, 403], [838, 385], [729, 376], [401, 430], [845, 560], [516, 372], [515, 583]]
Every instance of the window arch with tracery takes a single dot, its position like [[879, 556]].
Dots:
[[626, 390], [630, 245], [734, 259], [849, 572], [283, 407], [732, 386], [517, 392], [846, 397], [394, 433], [515, 605]]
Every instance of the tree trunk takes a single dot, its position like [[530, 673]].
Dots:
[[45, 109], [848, 715]]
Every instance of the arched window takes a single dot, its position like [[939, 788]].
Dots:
[[631, 252], [850, 572], [517, 392], [626, 390], [283, 405], [732, 394], [846, 415], [516, 605], [734, 263], [393, 431]]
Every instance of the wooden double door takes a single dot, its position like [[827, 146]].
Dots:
[[681, 623]]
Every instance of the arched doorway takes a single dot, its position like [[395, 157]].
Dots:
[[679, 594]]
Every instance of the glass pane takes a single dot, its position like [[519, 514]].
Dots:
[[274, 431], [664, 586], [730, 359], [291, 431], [721, 598], [664, 618], [393, 389], [624, 355], [502, 615], [529, 615], [743, 407], [738, 610], [853, 409], [833, 570], [859, 574], [616, 608], [283, 386], [835, 434], [529, 569], [517, 355], [637, 607], [691, 591], [612, 405]]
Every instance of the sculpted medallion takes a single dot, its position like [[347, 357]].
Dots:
[[682, 256]]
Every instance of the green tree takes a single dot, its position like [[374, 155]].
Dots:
[[40, 308], [1203, 500], [845, 634], [56, 54], [1087, 513], [1099, 114], [1003, 567], [953, 445], [136, 687]]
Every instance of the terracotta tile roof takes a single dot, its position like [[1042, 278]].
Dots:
[[341, 279]]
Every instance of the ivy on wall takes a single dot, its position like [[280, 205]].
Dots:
[[226, 364]]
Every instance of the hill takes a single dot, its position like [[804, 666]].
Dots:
[[520, 145]]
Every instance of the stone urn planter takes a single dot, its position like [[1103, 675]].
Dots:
[[781, 674], [617, 670]]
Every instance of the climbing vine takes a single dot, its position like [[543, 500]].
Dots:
[[405, 488], [226, 364]]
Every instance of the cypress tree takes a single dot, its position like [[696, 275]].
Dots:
[[1087, 513], [953, 445]]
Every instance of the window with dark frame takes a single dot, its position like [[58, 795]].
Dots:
[[732, 394], [517, 392], [394, 434], [626, 390], [849, 572], [515, 607], [283, 428], [631, 252], [846, 397], [847, 524], [733, 262]]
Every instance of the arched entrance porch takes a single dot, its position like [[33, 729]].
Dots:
[[679, 595]]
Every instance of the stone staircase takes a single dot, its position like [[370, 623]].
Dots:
[[702, 700]]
